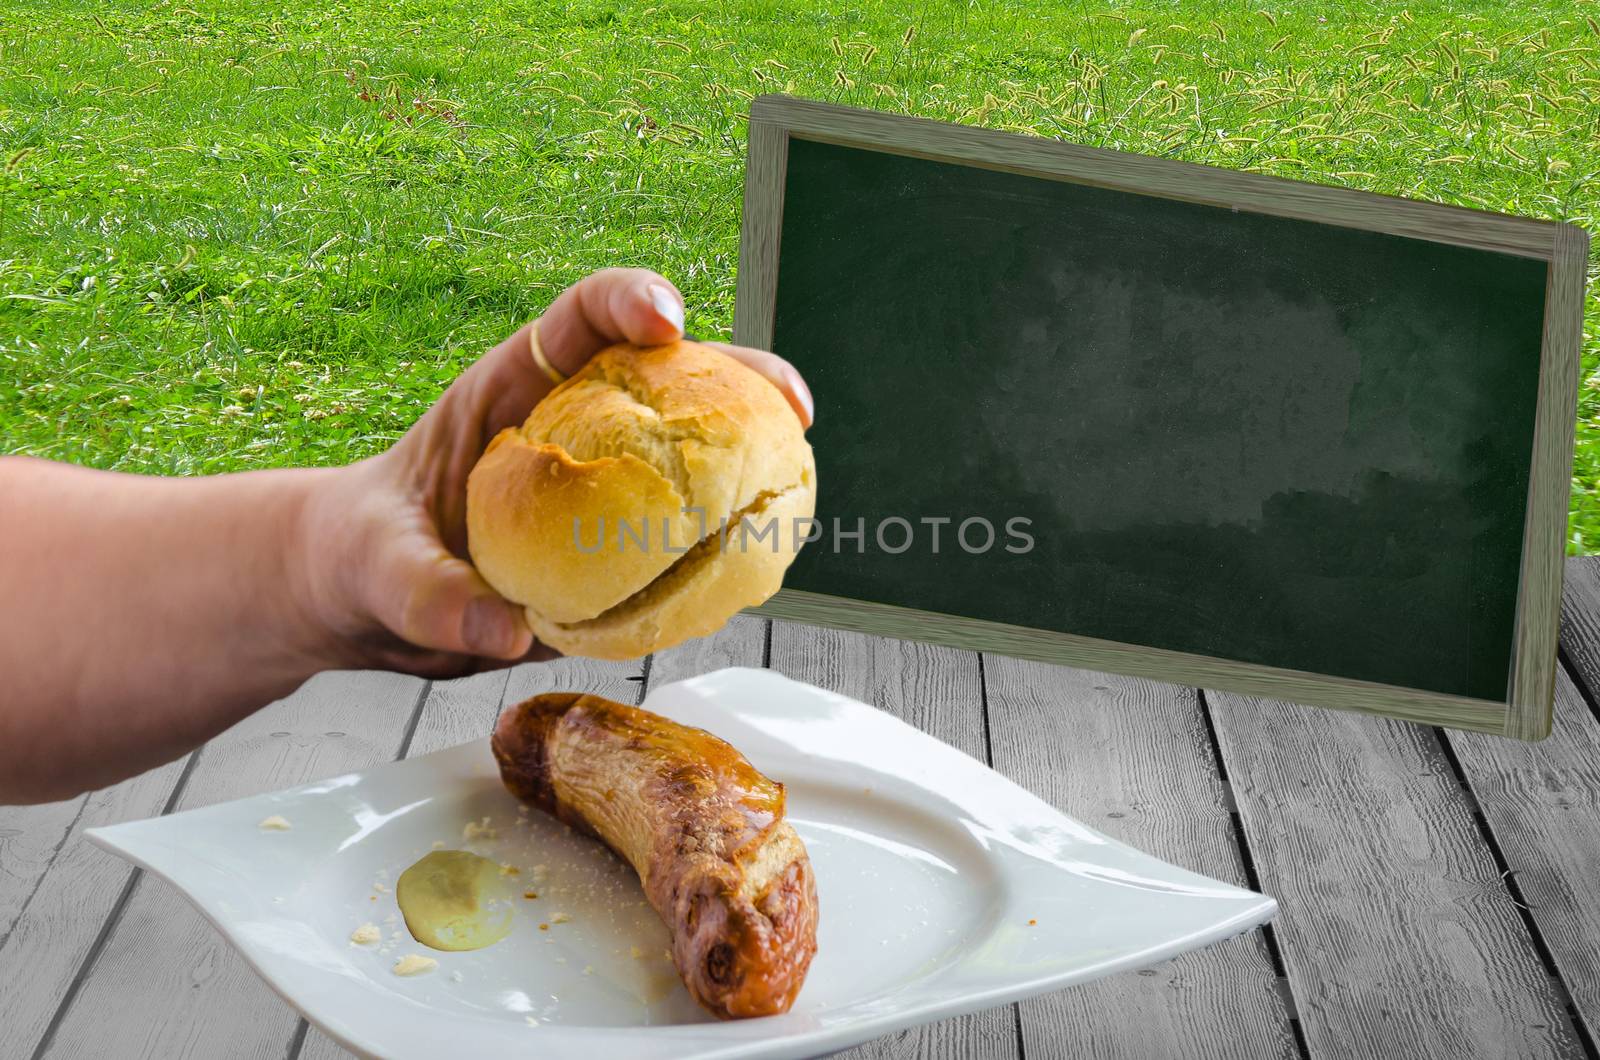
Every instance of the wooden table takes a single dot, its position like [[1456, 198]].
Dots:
[[1440, 892]]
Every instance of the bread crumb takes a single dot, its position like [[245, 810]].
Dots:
[[544, 927], [381, 888], [275, 823], [438, 844], [365, 935], [559, 918], [1033, 923], [588, 969], [413, 964], [483, 829], [510, 870], [635, 952], [530, 894]]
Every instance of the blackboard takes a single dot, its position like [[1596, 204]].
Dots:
[[1131, 416]]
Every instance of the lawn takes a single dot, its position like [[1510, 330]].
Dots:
[[241, 235]]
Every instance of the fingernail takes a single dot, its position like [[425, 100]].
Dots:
[[670, 309], [487, 627], [801, 391]]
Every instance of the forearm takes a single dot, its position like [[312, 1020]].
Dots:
[[139, 616]]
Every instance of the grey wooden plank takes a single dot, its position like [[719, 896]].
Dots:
[[463, 710], [1542, 804], [164, 983], [71, 904], [742, 642], [458, 711], [1397, 933], [622, 681], [1134, 759], [939, 690], [1580, 621], [30, 839]]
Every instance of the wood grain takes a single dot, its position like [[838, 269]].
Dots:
[[1580, 621], [742, 642], [30, 838], [457, 712], [1397, 933], [1133, 759], [1549, 489], [165, 983], [72, 902], [614, 680], [1542, 804], [939, 690]]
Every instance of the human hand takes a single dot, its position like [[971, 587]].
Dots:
[[385, 541]]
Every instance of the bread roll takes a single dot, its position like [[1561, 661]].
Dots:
[[702, 827], [583, 514]]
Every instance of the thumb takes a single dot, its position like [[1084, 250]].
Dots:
[[436, 600]]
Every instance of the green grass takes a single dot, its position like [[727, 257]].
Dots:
[[251, 235]]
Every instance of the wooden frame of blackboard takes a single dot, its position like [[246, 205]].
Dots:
[[1526, 711]]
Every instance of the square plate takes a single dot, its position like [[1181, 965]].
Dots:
[[942, 887]]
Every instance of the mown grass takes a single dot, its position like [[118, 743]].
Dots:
[[238, 236]]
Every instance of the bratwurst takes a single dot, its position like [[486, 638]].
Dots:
[[701, 826]]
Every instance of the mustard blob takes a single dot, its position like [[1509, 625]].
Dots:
[[455, 900]]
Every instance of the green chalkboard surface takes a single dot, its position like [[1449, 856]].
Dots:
[[1227, 433]]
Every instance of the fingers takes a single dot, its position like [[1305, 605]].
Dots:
[[603, 308], [607, 307], [780, 373], [433, 600], [640, 306]]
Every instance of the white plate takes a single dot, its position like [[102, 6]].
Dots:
[[942, 886]]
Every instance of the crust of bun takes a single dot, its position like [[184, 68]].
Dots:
[[726, 572], [523, 500], [597, 513]]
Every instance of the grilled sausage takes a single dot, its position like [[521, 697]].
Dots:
[[701, 826]]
